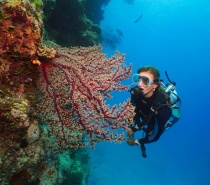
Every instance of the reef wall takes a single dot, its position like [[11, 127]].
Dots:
[[74, 23], [53, 98], [24, 158]]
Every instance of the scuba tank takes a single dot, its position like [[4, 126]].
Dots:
[[170, 89], [174, 101]]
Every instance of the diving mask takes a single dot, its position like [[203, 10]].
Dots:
[[144, 79]]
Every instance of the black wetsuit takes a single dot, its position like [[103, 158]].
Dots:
[[156, 123]]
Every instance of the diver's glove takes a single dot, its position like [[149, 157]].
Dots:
[[130, 138]]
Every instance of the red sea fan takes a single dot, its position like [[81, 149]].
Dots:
[[73, 89]]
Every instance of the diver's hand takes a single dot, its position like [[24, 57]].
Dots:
[[130, 139], [131, 142]]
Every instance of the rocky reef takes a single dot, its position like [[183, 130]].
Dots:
[[74, 23], [24, 156]]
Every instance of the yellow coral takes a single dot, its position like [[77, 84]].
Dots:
[[46, 52], [20, 111], [13, 3]]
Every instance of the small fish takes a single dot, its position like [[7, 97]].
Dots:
[[137, 20], [119, 32], [27, 80]]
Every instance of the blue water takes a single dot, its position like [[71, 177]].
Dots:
[[173, 35]]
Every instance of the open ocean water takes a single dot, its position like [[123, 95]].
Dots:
[[173, 35]]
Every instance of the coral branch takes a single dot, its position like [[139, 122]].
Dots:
[[73, 89]]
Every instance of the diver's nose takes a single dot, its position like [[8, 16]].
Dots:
[[140, 84]]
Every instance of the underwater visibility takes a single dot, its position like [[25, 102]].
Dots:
[[104, 92]]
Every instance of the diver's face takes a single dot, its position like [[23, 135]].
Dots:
[[146, 84]]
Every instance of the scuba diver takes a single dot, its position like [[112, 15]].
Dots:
[[155, 104]]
